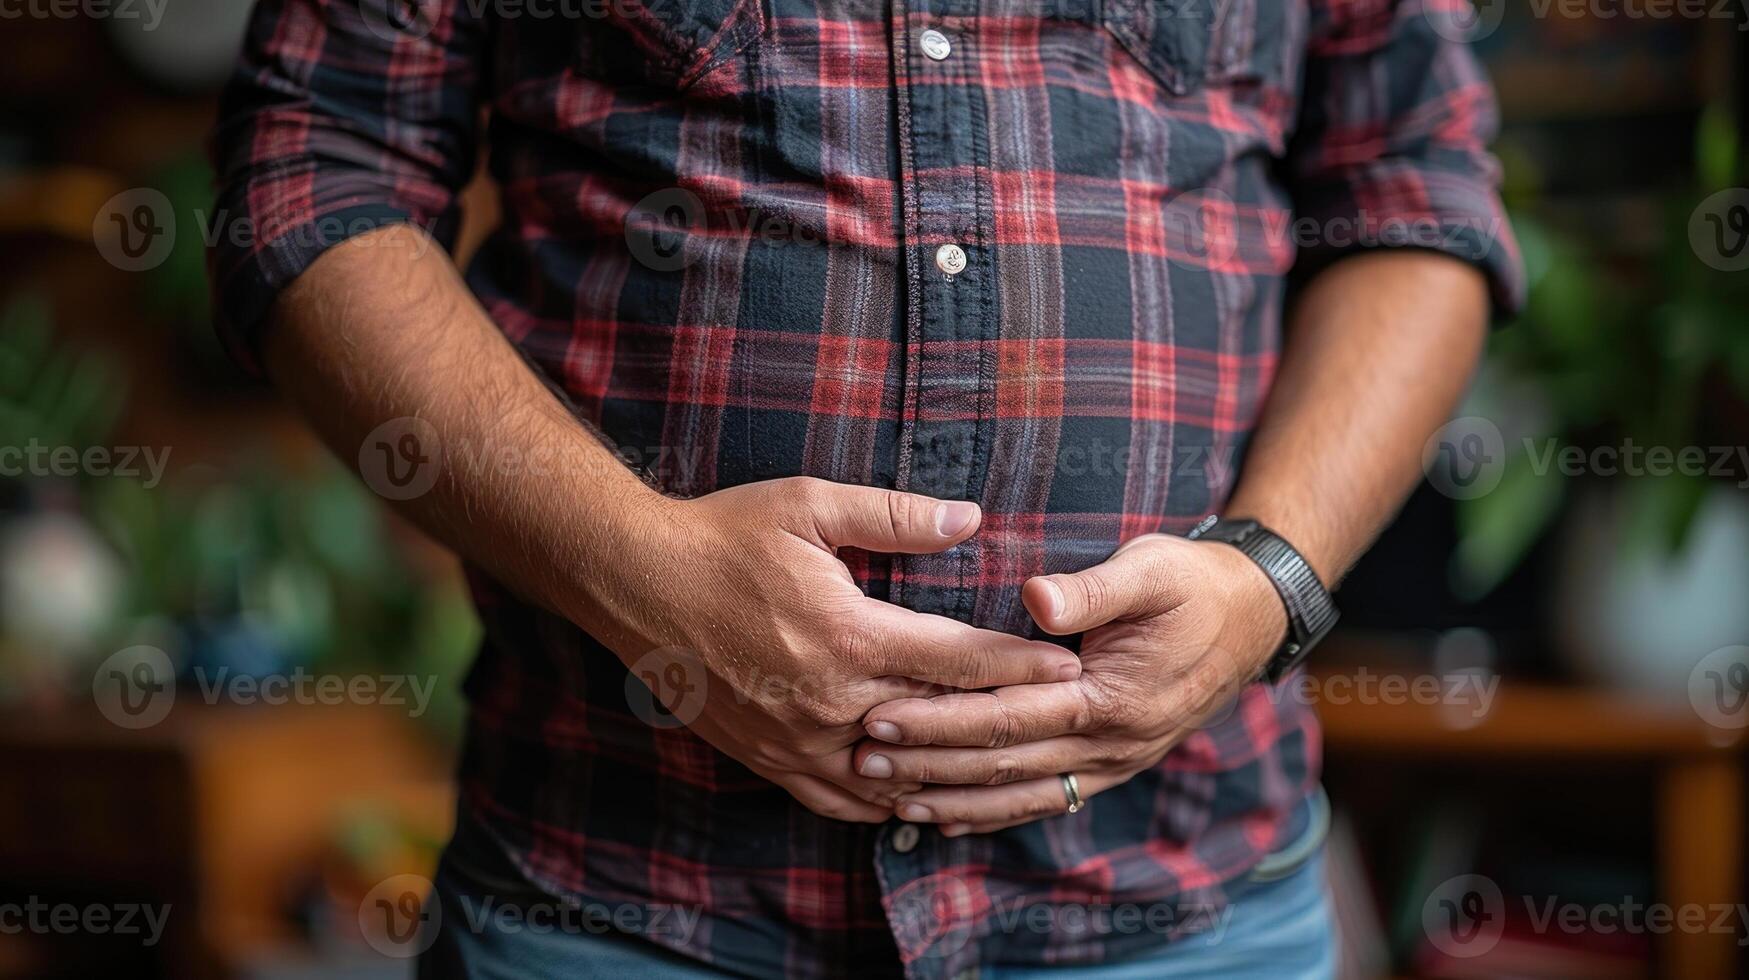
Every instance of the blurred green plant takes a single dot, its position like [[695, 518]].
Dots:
[[302, 566], [49, 394], [1611, 347]]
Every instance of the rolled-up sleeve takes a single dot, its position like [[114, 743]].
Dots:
[[342, 116], [1391, 149]]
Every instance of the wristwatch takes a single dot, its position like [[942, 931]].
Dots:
[[1310, 610]]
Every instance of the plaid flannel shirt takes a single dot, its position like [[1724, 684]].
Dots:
[[726, 237]]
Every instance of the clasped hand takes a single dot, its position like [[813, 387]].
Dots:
[[884, 710]]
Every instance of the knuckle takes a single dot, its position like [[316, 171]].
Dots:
[[905, 511], [1092, 708], [1004, 729], [1096, 591], [1007, 770], [815, 709], [974, 668], [849, 644], [806, 492]]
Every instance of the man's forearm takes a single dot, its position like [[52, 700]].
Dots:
[[381, 328], [1379, 349]]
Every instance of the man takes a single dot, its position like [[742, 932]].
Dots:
[[932, 327]]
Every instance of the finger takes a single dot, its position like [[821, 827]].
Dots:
[[889, 521], [992, 719], [1015, 803], [829, 801], [980, 766], [946, 651], [1139, 580], [838, 770]]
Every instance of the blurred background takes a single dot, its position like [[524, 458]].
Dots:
[[1535, 708]]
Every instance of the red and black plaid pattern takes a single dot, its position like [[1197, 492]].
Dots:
[[721, 221]]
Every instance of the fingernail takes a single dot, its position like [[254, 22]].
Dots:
[[1053, 600], [1069, 671], [916, 813], [955, 829], [877, 767], [955, 516], [886, 731]]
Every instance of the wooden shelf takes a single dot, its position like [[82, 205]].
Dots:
[[1526, 720], [1698, 802]]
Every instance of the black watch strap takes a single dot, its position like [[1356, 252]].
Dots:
[[1310, 611]]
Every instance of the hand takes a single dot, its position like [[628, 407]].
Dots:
[[1175, 629], [745, 583]]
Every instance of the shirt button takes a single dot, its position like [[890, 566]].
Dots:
[[935, 45], [905, 838], [950, 259]]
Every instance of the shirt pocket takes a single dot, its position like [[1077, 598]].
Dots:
[[1173, 39], [670, 43]]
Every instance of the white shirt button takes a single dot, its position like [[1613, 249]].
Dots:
[[951, 259], [935, 45], [905, 838]]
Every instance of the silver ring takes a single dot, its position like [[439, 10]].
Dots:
[[1072, 790]]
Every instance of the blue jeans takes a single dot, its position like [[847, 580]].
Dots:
[[1280, 930]]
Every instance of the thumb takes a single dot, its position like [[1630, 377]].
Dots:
[[890, 520], [1136, 582]]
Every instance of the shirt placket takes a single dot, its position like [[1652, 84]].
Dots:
[[951, 323], [950, 278]]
